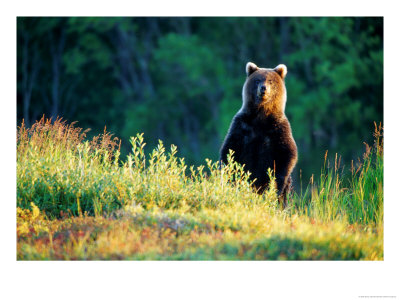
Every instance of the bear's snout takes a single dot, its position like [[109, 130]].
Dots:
[[262, 91]]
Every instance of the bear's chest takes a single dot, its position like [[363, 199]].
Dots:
[[255, 138]]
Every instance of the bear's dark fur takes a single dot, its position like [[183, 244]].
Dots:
[[260, 134]]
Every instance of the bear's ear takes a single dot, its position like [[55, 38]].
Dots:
[[281, 70], [250, 68]]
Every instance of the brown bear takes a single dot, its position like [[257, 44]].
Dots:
[[260, 134]]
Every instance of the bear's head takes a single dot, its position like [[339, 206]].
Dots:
[[264, 90]]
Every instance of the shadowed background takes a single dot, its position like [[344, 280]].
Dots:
[[180, 79]]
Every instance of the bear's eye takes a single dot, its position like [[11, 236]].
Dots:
[[258, 81]]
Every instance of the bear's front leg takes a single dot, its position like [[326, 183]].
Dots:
[[283, 186], [233, 141], [285, 162]]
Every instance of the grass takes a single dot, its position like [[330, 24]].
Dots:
[[76, 199], [358, 199]]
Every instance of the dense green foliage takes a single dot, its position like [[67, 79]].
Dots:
[[180, 79], [77, 200], [59, 172]]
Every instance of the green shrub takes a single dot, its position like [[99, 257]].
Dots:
[[58, 171]]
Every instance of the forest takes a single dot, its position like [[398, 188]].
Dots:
[[179, 79]]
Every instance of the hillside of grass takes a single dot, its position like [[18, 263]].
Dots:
[[77, 199]]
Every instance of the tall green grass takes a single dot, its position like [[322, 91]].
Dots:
[[354, 195], [62, 173]]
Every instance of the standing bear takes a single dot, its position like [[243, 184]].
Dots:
[[260, 133]]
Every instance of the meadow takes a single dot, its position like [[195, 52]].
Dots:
[[78, 200]]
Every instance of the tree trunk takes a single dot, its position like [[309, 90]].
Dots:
[[284, 41], [56, 50], [30, 69]]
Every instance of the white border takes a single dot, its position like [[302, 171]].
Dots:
[[197, 280]]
